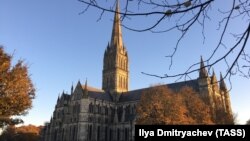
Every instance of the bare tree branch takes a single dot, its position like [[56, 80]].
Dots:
[[183, 17]]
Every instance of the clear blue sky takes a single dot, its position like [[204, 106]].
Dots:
[[62, 47]]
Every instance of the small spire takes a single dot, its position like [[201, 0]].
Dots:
[[78, 83], [85, 91], [72, 88], [222, 83], [58, 97], [214, 79], [86, 84], [116, 37], [203, 71]]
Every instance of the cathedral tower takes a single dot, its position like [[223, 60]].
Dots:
[[115, 63]]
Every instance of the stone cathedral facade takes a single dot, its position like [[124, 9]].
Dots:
[[109, 114]]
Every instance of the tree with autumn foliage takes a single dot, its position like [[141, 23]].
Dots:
[[22, 133], [222, 117], [197, 109], [160, 105], [16, 90]]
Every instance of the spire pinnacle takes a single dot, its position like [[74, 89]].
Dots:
[[214, 79], [72, 88], [78, 85], [86, 84], [203, 71], [222, 83], [116, 37], [58, 97], [85, 91]]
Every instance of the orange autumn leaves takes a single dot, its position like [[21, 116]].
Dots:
[[16, 89], [160, 105], [23, 133]]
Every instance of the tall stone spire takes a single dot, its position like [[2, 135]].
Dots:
[[116, 37], [115, 74], [203, 71]]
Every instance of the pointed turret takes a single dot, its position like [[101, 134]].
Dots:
[[79, 85], [225, 94], [203, 71], [106, 50], [58, 97], [78, 91], [213, 79], [72, 89], [86, 85], [116, 37], [223, 86], [215, 87], [85, 91]]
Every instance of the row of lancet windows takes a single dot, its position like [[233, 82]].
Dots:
[[122, 82], [61, 136], [60, 113], [108, 134], [122, 63], [98, 109], [121, 135], [108, 81], [105, 110], [108, 63]]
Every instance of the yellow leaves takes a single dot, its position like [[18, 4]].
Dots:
[[159, 105], [16, 88], [24, 133]]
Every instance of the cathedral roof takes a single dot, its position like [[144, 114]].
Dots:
[[135, 95], [100, 95], [92, 89]]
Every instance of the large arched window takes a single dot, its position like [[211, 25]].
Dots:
[[110, 134], [126, 134], [90, 132], [118, 134], [98, 133], [90, 108], [74, 133], [106, 133], [55, 135]]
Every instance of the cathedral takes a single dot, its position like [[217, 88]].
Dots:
[[109, 114]]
